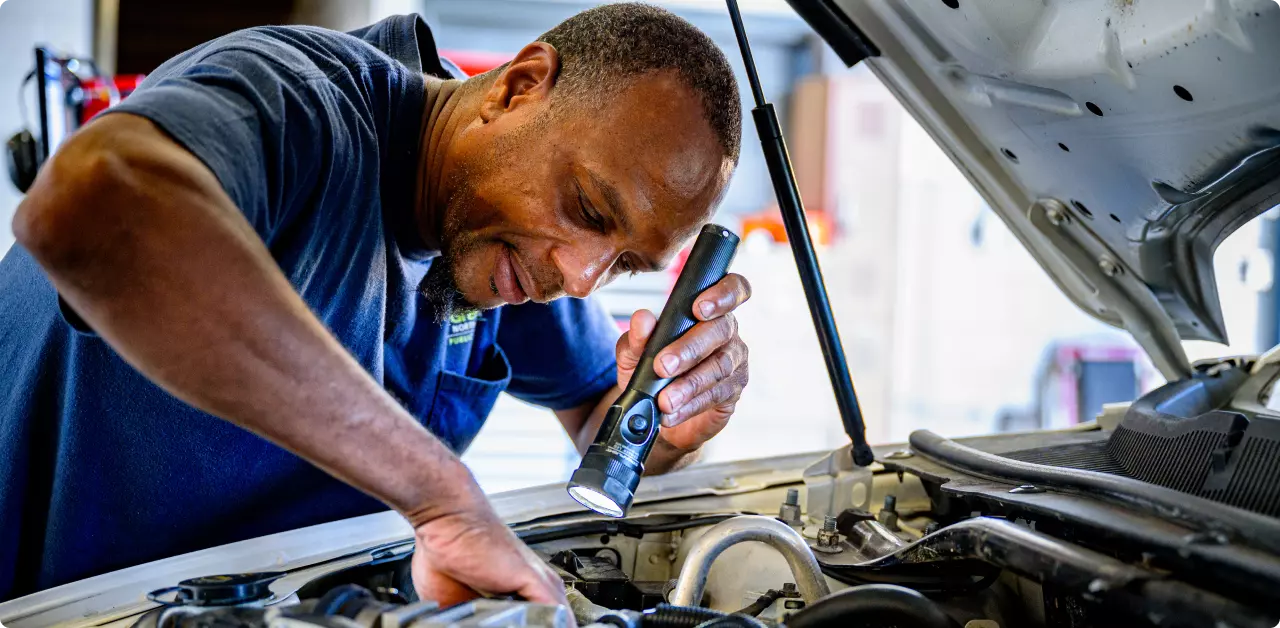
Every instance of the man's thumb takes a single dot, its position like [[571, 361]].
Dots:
[[642, 324]]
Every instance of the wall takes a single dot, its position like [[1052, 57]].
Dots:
[[65, 25]]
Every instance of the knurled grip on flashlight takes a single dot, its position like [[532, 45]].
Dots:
[[707, 264]]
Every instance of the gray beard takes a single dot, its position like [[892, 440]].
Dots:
[[440, 286], [441, 291]]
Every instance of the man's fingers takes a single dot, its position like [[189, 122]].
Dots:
[[722, 298], [702, 340], [719, 367], [724, 395], [546, 588], [433, 585], [631, 344]]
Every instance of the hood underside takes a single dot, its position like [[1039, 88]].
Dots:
[[1120, 140]]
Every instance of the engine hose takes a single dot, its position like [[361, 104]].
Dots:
[[668, 616], [871, 606], [763, 602], [734, 621], [339, 600]]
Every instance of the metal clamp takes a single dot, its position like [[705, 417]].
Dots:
[[835, 484]]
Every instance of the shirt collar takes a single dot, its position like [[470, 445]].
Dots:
[[408, 39]]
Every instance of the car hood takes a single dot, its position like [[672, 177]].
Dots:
[[1120, 140]]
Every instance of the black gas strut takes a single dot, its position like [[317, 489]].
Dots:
[[793, 218]]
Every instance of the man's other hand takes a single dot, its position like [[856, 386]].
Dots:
[[709, 364], [467, 554]]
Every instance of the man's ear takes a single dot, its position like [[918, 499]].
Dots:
[[528, 78]]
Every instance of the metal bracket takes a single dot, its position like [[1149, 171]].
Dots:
[[1115, 284], [835, 484]]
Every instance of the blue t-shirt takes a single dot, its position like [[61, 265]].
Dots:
[[314, 134]]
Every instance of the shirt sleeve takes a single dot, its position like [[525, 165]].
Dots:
[[561, 353], [251, 120]]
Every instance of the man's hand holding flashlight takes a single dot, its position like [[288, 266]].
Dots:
[[709, 364]]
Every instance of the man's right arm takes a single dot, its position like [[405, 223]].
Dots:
[[142, 241]]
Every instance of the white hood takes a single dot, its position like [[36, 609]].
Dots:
[[1120, 140]]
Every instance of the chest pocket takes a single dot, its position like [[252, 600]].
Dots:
[[462, 402]]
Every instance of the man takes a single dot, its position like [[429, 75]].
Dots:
[[307, 235]]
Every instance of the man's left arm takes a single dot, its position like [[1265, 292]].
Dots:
[[709, 364]]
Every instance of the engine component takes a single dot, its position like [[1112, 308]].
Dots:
[[668, 616], [828, 541], [673, 616], [584, 610], [868, 537], [354, 607], [789, 512], [601, 580], [872, 606], [488, 613], [804, 567], [1055, 563], [222, 590], [1257, 530], [888, 515], [763, 602]]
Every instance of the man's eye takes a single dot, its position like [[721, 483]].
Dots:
[[589, 216], [626, 266]]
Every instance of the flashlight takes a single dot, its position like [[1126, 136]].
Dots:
[[606, 479]]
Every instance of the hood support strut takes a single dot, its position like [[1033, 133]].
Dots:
[[793, 219]]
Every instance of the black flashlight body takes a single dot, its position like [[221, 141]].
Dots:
[[610, 471]]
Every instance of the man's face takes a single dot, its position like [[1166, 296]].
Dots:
[[552, 197]]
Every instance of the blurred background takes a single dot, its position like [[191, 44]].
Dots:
[[948, 323]]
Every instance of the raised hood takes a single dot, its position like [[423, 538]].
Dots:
[[1120, 140]]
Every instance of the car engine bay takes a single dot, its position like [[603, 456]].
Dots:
[[1055, 529]]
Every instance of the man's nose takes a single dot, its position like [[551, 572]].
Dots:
[[583, 269]]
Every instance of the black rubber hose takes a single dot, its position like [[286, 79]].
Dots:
[[668, 616], [872, 606], [761, 603], [338, 600], [734, 621]]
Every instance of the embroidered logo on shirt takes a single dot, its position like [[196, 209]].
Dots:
[[462, 327]]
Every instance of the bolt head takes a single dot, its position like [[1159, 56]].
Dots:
[[1109, 267], [1026, 488], [828, 538]]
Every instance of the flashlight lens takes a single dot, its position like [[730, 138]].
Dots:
[[595, 500]]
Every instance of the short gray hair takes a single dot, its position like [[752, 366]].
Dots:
[[602, 45]]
